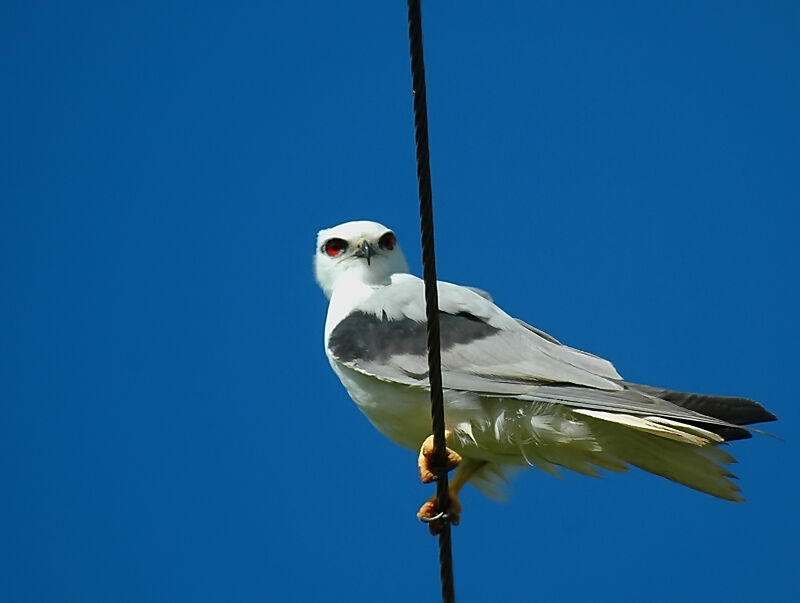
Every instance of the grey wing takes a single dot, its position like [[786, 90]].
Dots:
[[483, 348]]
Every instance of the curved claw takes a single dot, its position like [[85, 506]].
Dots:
[[436, 520], [441, 515]]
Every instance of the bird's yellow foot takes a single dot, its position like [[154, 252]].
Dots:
[[429, 511], [427, 473]]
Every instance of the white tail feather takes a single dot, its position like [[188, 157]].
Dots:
[[655, 425]]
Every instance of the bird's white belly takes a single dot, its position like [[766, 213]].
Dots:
[[402, 413], [492, 429]]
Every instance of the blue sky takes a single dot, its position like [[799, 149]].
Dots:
[[624, 176]]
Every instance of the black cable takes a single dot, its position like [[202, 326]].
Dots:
[[439, 460]]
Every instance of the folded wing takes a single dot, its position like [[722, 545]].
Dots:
[[484, 350]]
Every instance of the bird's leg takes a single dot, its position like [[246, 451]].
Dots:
[[426, 472], [430, 509]]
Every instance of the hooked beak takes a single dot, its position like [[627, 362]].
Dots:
[[364, 250]]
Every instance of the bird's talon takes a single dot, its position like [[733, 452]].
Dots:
[[427, 472], [429, 513], [437, 517]]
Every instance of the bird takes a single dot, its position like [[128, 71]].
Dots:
[[514, 396]]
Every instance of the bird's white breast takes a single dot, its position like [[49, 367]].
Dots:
[[400, 412]]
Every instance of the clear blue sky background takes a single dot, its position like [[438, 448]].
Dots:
[[622, 175]]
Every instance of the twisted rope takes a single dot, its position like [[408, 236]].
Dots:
[[439, 460]]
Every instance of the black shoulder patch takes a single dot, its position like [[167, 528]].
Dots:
[[368, 337]]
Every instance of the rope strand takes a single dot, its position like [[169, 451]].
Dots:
[[439, 460]]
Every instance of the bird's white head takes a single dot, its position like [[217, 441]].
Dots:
[[363, 250]]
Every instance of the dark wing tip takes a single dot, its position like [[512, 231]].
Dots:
[[738, 411]]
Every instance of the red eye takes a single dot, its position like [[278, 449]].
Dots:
[[334, 247], [387, 241]]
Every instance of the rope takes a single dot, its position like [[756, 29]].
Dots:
[[439, 460]]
